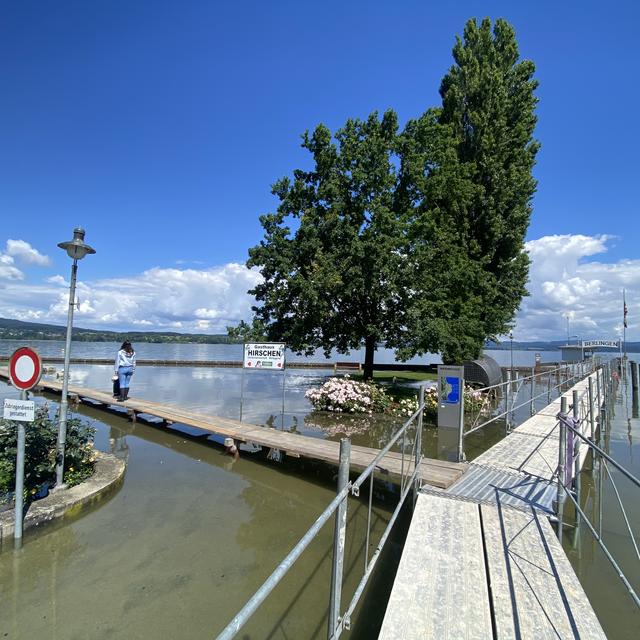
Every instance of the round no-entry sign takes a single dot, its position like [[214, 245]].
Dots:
[[25, 368]]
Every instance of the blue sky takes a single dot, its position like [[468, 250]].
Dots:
[[160, 127]]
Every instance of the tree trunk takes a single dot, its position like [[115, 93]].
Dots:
[[370, 347]]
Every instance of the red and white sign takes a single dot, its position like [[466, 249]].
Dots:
[[25, 368]]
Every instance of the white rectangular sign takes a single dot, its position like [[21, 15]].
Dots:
[[21, 410], [264, 355], [590, 344]]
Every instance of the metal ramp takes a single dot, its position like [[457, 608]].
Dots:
[[472, 571]]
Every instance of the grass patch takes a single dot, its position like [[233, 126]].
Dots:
[[400, 376]]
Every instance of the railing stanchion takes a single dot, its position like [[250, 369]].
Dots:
[[562, 441], [592, 421], [533, 391], [339, 535], [418, 441], [577, 445]]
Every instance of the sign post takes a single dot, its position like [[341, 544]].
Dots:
[[265, 356], [25, 370], [451, 408]]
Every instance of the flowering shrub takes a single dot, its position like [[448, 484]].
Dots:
[[40, 454], [348, 396]]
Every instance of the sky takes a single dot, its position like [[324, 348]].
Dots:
[[159, 127]]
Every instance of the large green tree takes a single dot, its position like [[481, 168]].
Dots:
[[469, 170], [330, 260]]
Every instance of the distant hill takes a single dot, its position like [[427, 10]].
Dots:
[[19, 330]]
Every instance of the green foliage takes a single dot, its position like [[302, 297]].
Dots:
[[40, 452], [414, 239], [244, 332], [330, 258], [471, 164]]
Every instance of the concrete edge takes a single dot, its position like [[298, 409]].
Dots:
[[67, 503]]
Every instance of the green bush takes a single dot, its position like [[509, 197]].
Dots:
[[41, 437]]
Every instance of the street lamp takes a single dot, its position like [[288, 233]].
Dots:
[[76, 249]]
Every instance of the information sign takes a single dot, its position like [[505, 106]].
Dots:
[[591, 344], [264, 355], [20, 410], [450, 390]]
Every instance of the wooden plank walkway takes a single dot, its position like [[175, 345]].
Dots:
[[436, 473], [482, 571]]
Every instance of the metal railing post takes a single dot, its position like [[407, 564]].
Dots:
[[507, 396], [533, 391], [577, 445], [562, 441], [549, 389], [418, 457], [339, 535], [592, 422]]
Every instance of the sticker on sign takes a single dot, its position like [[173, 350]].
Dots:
[[264, 355], [20, 410]]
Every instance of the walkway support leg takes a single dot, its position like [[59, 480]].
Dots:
[[339, 535]]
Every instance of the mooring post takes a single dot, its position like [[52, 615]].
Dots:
[[592, 422], [562, 440], [634, 375], [533, 391], [339, 535]]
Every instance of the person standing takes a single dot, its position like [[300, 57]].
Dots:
[[125, 367]]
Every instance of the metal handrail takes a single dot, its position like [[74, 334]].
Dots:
[[343, 622], [569, 424], [510, 409]]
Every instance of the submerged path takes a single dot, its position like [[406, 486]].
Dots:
[[436, 473], [481, 559]]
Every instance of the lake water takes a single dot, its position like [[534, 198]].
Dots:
[[192, 533]]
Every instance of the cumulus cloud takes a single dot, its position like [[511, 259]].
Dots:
[[186, 300], [569, 287], [26, 254]]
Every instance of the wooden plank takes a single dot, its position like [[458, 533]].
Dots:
[[440, 590], [435, 473], [535, 593]]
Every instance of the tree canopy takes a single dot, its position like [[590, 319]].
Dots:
[[412, 238]]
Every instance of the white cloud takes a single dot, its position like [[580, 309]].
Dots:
[[186, 300], [564, 285], [26, 254]]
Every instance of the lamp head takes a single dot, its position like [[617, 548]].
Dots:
[[77, 249]]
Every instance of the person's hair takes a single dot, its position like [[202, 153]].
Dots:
[[126, 345]]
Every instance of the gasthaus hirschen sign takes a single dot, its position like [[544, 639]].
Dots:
[[264, 355]]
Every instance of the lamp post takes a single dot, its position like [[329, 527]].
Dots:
[[76, 249]]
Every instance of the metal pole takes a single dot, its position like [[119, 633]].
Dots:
[[242, 387], [577, 482], [533, 391], [592, 422], [461, 425], [561, 468], [19, 495], [339, 535], [507, 394], [549, 389], [284, 373], [418, 441], [599, 392], [62, 427]]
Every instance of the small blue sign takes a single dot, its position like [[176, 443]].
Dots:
[[453, 390]]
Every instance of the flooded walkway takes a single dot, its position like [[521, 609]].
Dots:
[[437, 473]]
